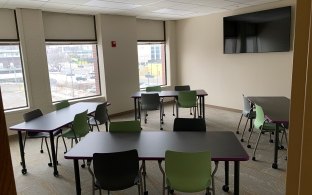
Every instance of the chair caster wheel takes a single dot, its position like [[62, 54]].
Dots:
[[24, 171], [161, 128], [56, 174], [237, 132], [83, 166], [145, 121], [248, 146], [173, 114], [65, 152], [50, 164], [225, 188], [171, 191], [146, 193], [274, 165], [281, 147], [242, 140], [253, 158], [41, 151], [271, 140]]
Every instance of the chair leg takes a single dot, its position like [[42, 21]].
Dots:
[[177, 111], [41, 150], [251, 131], [64, 144], [50, 164], [173, 107], [237, 130], [242, 138], [255, 149], [161, 117], [97, 126]]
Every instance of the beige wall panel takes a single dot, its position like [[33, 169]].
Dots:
[[202, 64], [150, 29], [120, 62], [8, 24]]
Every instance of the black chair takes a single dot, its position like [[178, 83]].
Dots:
[[189, 124], [43, 135], [151, 101], [100, 117], [115, 171]]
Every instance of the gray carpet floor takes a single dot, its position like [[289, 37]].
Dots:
[[256, 177]]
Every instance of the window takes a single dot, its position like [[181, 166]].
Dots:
[[12, 77], [152, 65], [73, 71]]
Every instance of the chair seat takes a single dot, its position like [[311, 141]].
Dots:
[[42, 134], [250, 115], [118, 187], [270, 127], [186, 185], [68, 133], [187, 104], [92, 121]]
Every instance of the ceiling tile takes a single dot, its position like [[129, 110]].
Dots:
[[109, 4]]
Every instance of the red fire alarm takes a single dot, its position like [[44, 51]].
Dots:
[[114, 44]]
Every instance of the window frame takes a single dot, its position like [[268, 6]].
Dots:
[[77, 42], [17, 43], [151, 42]]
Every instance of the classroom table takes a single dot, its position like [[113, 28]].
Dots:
[[200, 93], [276, 110], [50, 123], [152, 145]]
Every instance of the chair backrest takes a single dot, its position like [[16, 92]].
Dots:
[[260, 118], [153, 88], [101, 114], [187, 98], [150, 101], [80, 124], [182, 88], [188, 172], [116, 171], [125, 126], [32, 115], [189, 124], [247, 106], [62, 104]]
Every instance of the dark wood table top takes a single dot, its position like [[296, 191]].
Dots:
[[173, 93], [276, 108], [151, 145], [57, 119]]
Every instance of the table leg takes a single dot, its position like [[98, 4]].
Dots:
[[77, 177], [274, 165], [21, 145], [226, 176], [203, 109], [164, 179], [236, 178], [54, 161], [200, 108], [135, 109], [144, 176]]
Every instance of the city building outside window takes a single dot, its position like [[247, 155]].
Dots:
[[73, 71], [12, 77], [152, 64]]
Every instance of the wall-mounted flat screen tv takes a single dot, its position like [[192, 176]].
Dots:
[[258, 32]]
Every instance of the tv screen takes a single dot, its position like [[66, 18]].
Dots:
[[258, 32]]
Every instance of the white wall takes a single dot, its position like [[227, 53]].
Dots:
[[120, 62], [202, 64]]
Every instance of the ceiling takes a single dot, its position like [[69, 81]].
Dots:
[[148, 9]]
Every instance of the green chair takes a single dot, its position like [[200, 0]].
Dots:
[[181, 88], [189, 172], [263, 125], [153, 89], [78, 129], [100, 117], [125, 126], [151, 101], [62, 104], [187, 99]]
